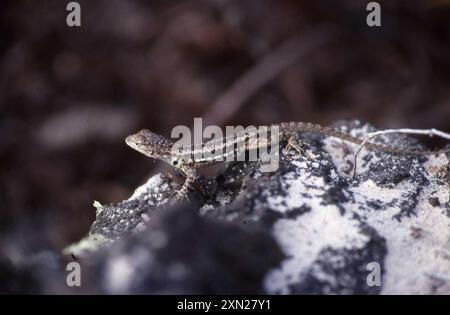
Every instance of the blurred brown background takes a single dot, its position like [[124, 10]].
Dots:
[[69, 96]]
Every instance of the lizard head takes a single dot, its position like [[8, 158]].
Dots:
[[151, 144]]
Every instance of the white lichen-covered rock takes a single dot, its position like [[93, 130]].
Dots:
[[335, 231]]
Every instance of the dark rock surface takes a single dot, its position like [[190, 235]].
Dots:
[[309, 227], [181, 252]]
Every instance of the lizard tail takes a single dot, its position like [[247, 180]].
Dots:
[[292, 127]]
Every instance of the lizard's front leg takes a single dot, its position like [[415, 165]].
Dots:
[[191, 175]]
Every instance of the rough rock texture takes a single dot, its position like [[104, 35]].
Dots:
[[181, 252], [308, 228]]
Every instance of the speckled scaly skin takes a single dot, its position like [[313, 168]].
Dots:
[[161, 148]]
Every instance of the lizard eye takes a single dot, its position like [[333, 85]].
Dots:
[[175, 162]]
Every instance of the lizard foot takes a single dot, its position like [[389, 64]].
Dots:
[[179, 195], [183, 192]]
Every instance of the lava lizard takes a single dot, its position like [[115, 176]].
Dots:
[[160, 148]]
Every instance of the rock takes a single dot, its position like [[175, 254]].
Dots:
[[309, 227], [180, 252]]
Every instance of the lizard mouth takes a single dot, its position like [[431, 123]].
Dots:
[[130, 140], [133, 142]]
